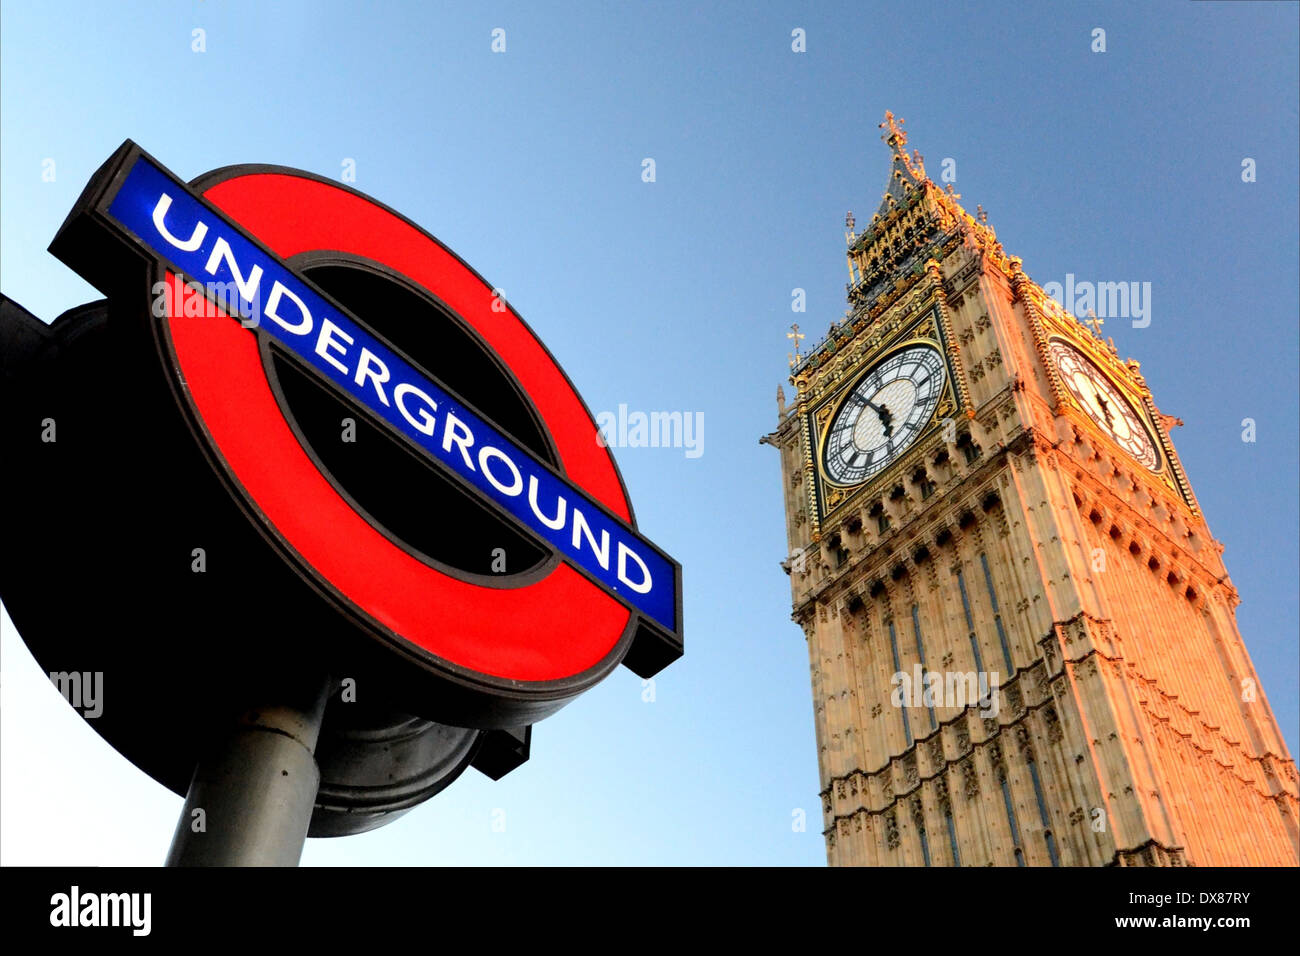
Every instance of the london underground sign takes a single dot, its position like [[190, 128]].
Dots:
[[418, 480], [155, 211]]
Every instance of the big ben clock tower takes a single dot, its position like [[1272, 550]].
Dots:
[[1021, 633]]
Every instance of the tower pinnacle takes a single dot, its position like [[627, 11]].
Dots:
[[896, 137]]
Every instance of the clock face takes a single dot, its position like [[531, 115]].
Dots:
[[883, 414], [1102, 401]]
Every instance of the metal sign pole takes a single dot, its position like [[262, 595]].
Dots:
[[251, 800]]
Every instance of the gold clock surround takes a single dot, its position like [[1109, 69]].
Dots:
[[829, 413], [1145, 452]]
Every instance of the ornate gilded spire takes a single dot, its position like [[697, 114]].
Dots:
[[896, 137], [915, 220], [907, 173]]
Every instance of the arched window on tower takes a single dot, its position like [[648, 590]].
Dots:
[[893, 646], [997, 616], [882, 519], [918, 817], [1042, 807], [923, 483], [920, 653], [970, 623], [1011, 815], [952, 834]]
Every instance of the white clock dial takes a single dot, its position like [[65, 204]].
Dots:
[[1095, 394], [883, 414]]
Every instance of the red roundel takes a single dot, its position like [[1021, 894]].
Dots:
[[551, 629]]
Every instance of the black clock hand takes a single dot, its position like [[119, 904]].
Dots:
[[1105, 410], [882, 412]]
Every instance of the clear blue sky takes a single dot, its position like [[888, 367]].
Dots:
[[675, 295]]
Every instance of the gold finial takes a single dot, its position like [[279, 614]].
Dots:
[[1095, 322], [796, 336], [896, 137], [981, 216]]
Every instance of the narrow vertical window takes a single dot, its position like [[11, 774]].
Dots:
[[1011, 819], [952, 836], [997, 615], [920, 653], [893, 644], [970, 623], [1042, 812]]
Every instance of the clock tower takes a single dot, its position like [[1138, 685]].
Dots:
[[1021, 633]]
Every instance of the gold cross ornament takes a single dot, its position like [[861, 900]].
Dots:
[[796, 336]]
